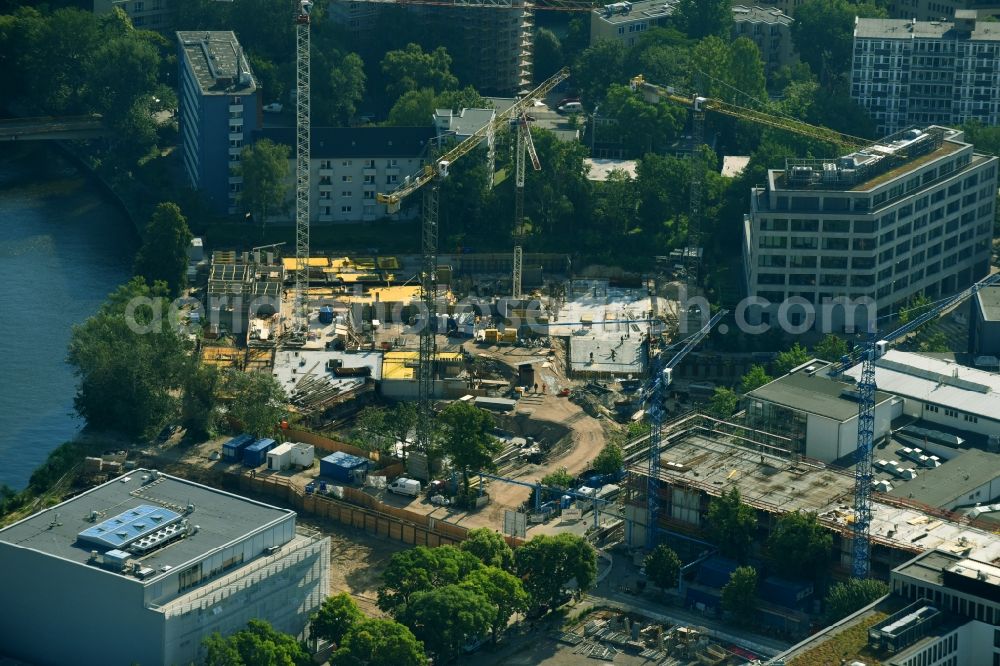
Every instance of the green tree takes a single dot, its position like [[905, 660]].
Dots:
[[347, 83], [129, 362], [548, 54], [264, 167], [411, 69], [466, 438], [547, 564], [845, 598], [559, 478], [739, 595], [372, 427], [489, 547], [723, 403], [402, 421], [337, 616], [830, 348], [446, 617], [799, 545], [611, 459], [747, 70], [163, 255], [413, 108], [600, 65], [663, 567], [421, 569], [378, 642], [823, 34], [792, 358], [257, 645], [701, 18], [503, 590], [641, 126], [198, 402], [755, 378], [256, 401], [732, 524], [931, 343], [916, 306]]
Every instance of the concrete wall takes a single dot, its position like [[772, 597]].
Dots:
[[822, 438], [983, 494], [58, 612], [982, 425]]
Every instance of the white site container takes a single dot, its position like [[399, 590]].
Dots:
[[303, 454], [280, 457]]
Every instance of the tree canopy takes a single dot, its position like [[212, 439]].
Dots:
[[264, 166], [723, 403], [379, 642], [256, 401], [547, 564], [701, 18], [421, 569], [337, 616], [503, 590], [845, 598], [663, 567], [755, 378], [611, 459], [799, 545], [447, 617], [732, 525], [467, 439], [823, 33], [411, 69], [129, 361], [257, 645], [739, 595], [489, 547], [791, 358], [830, 348], [163, 255]]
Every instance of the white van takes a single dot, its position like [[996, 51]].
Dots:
[[408, 487], [571, 107]]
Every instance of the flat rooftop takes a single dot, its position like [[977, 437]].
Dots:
[[695, 457], [403, 364], [758, 14], [814, 393], [292, 367], [598, 169], [464, 123], [871, 28], [636, 11], [221, 518], [937, 381], [989, 302], [951, 481], [217, 61]]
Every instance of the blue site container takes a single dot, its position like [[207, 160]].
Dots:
[[787, 593], [715, 571], [255, 455], [565, 501], [342, 467], [233, 449], [326, 315]]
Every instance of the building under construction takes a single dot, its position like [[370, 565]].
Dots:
[[241, 288], [701, 458]]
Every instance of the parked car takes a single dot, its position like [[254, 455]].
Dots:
[[570, 107], [408, 487], [567, 100], [273, 107]]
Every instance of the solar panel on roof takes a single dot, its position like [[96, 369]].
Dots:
[[129, 526]]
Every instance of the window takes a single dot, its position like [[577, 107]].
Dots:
[[189, 577], [951, 412], [325, 164], [370, 180], [369, 164], [805, 225], [345, 209], [345, 163], [236, 100], [393, 163], [837, 226], [369, 194], [390, 180], [346, 179], [346, 193], [833, 262], [835, 244], [971, 419], [931, 408]]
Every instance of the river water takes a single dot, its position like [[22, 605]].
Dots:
[[63, 248]]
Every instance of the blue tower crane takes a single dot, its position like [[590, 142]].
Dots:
[[873, 349]]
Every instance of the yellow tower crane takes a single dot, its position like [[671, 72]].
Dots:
[[432, 174]]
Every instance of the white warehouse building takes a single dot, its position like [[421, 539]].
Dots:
[[142, 568], [910, 214]]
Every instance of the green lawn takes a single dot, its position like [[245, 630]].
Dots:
[[850, 644]]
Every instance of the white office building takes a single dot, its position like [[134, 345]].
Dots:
[[907, 72], [910, 214], [141, 569], [351, 165]]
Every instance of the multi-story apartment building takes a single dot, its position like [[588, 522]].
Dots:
[[143, 568], [911, 214], [626, 21], [219, 108], [770, 29], [908, 72], [922, 10], [144, 14], [350, 165]]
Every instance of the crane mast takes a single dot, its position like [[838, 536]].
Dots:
[[300, 321], [525, 146]]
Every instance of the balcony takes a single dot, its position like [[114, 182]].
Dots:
[[325, 172], [392, 171], [236, 136], [369, 171], [235, 108]]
